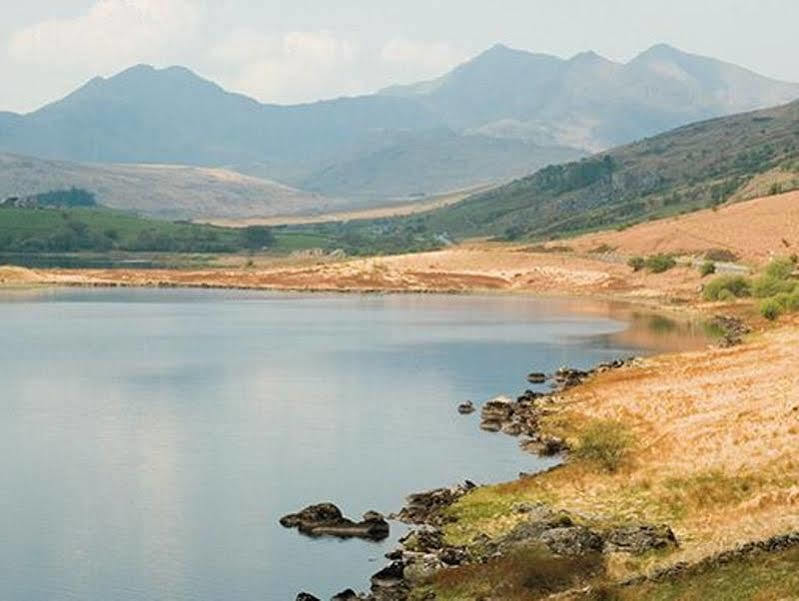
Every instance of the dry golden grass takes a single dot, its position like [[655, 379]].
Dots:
[[754, 230], [717, 436]]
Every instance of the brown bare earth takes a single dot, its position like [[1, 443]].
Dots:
[[755, 230], [473, 268]]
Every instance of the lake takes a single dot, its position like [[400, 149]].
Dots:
[[151, 439]]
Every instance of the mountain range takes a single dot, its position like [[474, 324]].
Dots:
[[503, 114]]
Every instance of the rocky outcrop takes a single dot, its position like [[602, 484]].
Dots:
[[639, 539], [733, 330], [306, 597], [426, 507], [325, 519], [562, 535], [776, 544], [522, 416], [347, 595]]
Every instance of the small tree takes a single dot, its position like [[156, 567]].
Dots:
[[637, 263], [257, 237], [707, 268], [660, 263]]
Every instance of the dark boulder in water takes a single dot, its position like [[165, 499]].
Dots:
[[325, 519], [537, 378], [306, 597], [466, 408]]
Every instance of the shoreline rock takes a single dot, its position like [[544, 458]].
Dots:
[[466, 408], [325, 519]]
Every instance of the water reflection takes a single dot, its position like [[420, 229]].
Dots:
[[150, 439]]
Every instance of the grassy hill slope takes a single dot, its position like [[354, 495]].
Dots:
[[170, 191], [696, 166]]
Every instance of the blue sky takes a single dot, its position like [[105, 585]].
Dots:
[[301, 50]]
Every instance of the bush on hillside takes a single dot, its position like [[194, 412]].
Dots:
[[257, 237], [780, 269], [637, 263], [770, 309], [767, 286], [727, 287], [707, 268], [604, 443], [660, 263]]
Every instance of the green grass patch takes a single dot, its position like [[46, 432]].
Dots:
[[727, 287], [605, 444], [765, 577]]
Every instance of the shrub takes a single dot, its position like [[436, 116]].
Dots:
[[770, 309], [637, 263], [257, 237], [780, 269], [767, 286], [792, 301], [707, 268], [726, 296], [604, 443], [525, 573], [660, 263], [735, 285]]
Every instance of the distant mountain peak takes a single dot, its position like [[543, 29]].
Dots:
[[590, 58], [661, 51]]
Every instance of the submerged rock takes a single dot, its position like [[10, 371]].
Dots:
[[537, 378], [325, 519], [466, 408]]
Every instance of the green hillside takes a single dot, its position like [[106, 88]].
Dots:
[[37, 231], [692, 167]]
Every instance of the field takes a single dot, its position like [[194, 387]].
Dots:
[[98, 230], [755, 231]]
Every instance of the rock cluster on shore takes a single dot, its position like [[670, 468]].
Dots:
[[522, 416], [733, 329], [424, 552]]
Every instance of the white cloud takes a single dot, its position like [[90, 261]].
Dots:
[[427, 59], [296, 66], [111, 35]]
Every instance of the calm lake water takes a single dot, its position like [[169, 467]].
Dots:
[[150, 440]]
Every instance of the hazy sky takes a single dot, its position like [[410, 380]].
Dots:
[[299, 50]]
